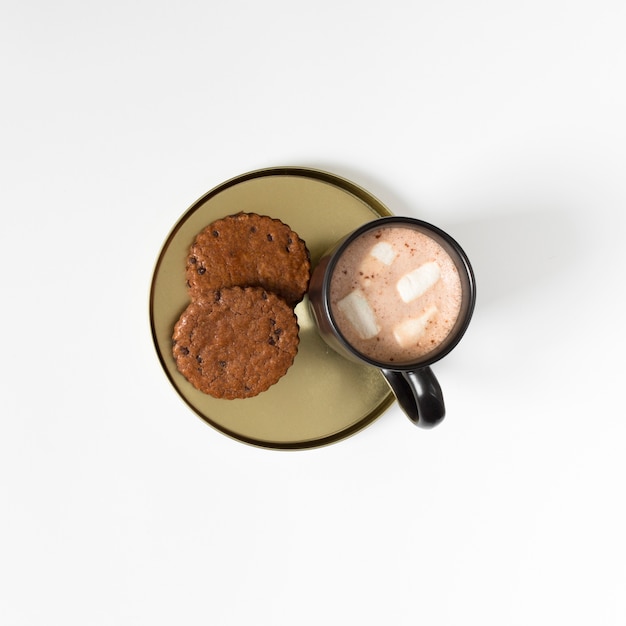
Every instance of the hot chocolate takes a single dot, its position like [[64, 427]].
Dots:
[[395, 294]]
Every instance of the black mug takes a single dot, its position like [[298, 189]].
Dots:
[[410, 378]]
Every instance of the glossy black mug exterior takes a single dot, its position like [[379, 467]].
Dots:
[[414, 384]]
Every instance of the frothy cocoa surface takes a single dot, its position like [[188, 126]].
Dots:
[[371, 308]]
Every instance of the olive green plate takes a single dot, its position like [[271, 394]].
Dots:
[[323, 397]]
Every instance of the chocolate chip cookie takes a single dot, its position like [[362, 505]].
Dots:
[[235, 342], [249, 250]]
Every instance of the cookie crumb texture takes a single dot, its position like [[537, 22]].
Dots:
[[235, 342], [249, 250]]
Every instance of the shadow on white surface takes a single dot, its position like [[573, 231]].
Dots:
[[515, 252]]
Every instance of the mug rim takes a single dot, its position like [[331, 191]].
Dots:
[[467, 307]]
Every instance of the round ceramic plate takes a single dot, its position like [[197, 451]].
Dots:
[[323, 397]]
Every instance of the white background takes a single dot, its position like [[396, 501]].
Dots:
[[501, 122]]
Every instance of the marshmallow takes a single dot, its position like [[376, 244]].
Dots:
[[384, 252], [360, 314], [410, 330], [417, 282]]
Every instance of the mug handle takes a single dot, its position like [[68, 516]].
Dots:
[[419, 395]]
